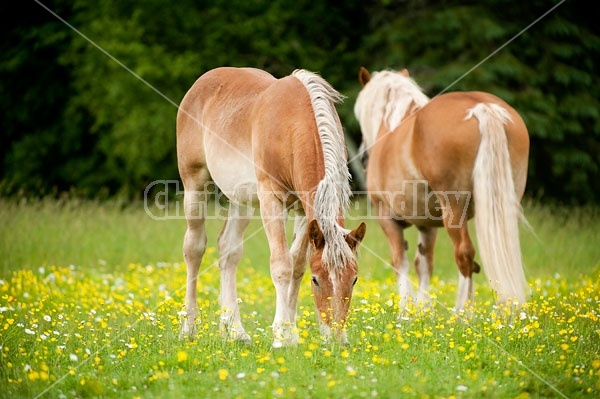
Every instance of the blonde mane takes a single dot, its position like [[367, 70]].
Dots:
[[333, 192], [386, 99]]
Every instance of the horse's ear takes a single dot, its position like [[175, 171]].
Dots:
[[315, 234], [405, 72], [364, 76], [355, 237]]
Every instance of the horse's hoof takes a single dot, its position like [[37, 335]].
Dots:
[[241, 337], [188, 326], [278, 343], [286, 341], [187, 334], [236, 334]]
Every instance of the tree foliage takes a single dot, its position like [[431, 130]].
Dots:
[[94, 111], [547, 72]]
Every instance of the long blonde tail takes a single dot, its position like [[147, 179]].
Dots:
[[497, 207]]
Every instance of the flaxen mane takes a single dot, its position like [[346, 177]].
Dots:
[[386, 98], [333, 192]]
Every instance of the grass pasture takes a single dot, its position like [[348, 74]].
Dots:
[[90, 294]]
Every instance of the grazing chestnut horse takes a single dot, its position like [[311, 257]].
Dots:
[[439, 162], [278, 142]]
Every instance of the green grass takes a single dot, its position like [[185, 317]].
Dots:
[[89, 295]]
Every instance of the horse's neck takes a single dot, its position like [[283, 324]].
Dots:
[[412, 109], [308, 205]]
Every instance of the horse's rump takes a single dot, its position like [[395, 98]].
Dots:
[[214, 128], [446, 144]]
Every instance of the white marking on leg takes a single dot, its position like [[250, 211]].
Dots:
[[404, 284], [423, 269], [465, 292]]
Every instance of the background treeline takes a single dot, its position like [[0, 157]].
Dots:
[[76, 120]]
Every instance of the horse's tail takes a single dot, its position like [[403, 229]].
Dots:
[[497, 206]]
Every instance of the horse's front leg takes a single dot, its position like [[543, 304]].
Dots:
[[273, 214]]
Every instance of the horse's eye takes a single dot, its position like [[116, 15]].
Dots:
[[315, 281], [355, 280]]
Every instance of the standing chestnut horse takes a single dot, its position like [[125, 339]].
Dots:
[[278, 142], [439, 162]]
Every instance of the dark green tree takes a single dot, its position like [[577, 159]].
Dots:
[[42, 148], [96, 114], [548, 72], [129, 64]]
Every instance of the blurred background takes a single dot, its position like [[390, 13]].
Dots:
[[76, 121]]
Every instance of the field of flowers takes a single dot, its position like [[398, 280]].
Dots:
[[73, 332], [68, 332]]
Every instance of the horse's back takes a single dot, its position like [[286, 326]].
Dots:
[[215, 97], [446, 142]]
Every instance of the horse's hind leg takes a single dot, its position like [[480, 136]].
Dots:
[[194, 245], [424, 261], [231, 246], [455, 222], [394, 232]]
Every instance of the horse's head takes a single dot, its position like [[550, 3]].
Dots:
[[332, 288]]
